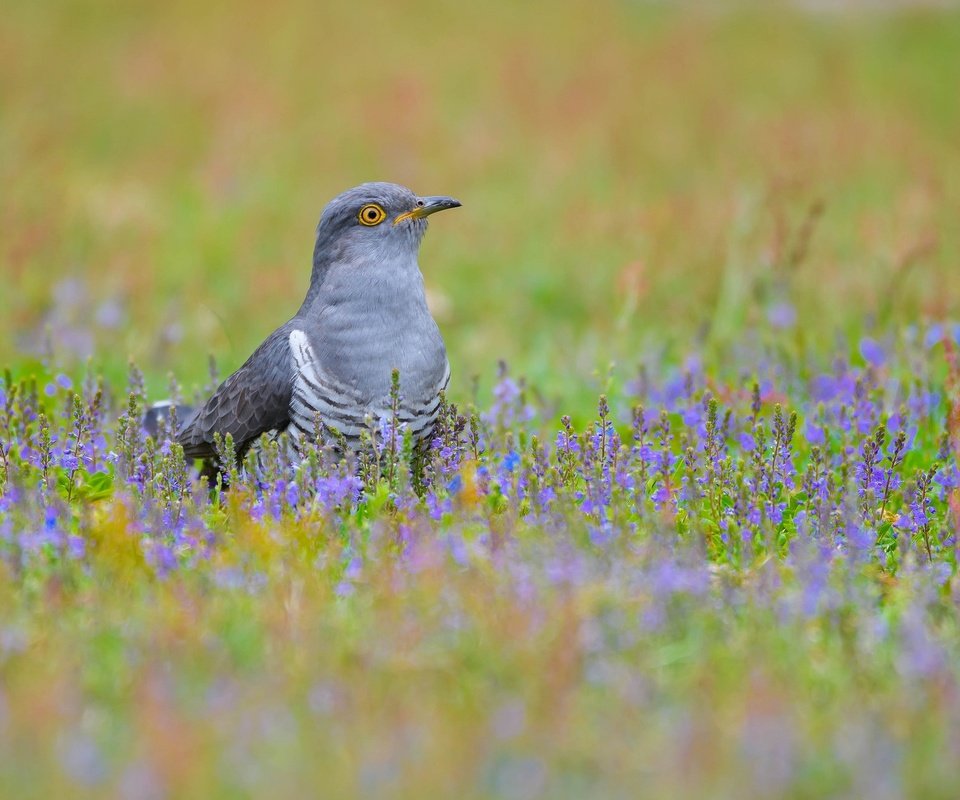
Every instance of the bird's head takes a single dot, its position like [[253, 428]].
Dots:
[[374, 224]]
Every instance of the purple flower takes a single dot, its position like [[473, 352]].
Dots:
[[162, 557], [824, 388], [872, 352], [293, 494], [661, 495], [336, 490], [814, 433], [782, 315], [76, 546], [354, 569], [437, 506]]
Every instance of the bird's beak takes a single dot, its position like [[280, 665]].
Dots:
[[427, 206]]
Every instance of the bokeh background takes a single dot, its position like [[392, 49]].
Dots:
[[636, 177]]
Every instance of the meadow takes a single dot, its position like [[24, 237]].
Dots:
[[688, 526]]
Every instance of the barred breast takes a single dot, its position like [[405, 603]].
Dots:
[[341, 407]]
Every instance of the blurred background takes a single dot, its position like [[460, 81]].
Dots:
[[636, 177]]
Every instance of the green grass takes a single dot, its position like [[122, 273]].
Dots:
[[619, 164]]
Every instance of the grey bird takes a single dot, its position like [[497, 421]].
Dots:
[[365, 315]]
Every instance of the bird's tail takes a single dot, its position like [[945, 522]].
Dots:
[[158, 417]]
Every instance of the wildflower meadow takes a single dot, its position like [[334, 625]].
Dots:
[[687, 525]]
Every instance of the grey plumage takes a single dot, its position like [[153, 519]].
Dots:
[[364, 315]]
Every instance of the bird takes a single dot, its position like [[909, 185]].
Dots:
[[364, 316]]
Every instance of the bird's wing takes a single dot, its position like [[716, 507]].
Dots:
[[253, 400]]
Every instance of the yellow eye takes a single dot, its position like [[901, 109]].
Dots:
[[371, 214]]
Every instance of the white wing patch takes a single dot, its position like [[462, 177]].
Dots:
[[304, 401], [301, 351]]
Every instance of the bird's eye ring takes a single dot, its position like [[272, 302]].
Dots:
[[371, 214]]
